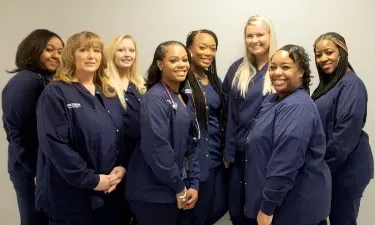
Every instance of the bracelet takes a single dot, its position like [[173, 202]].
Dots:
[[183, 197]]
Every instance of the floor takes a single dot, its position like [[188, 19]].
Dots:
[[224, 221]]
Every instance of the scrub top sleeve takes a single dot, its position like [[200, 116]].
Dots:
[[292, 130], [350, 114], [193, 172], [19, 103]]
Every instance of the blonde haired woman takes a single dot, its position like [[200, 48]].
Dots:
[[122, 56], [245, 85], [80, 133]]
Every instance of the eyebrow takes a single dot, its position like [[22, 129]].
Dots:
[[50, 45], [214, 45], [329, 48], [174, 56]]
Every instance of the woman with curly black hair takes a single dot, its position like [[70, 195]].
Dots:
[[287, 180]]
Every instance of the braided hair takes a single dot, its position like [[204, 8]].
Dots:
[[212, 77], [327, 82]]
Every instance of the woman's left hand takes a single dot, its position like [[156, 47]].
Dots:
[[116, 176], [192, 197]]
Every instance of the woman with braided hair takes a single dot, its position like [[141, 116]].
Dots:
[[204, 87], [341, 98]]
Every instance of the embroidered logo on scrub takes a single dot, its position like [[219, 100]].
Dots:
[[73, 105]]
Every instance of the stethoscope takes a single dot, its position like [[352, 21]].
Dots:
[[175, 107], [173, 103]]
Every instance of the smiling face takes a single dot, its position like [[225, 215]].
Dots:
[[87, 59], [327, 56], [125, 54], [285, 75], [175, 64], [257, 38], [50, 58], [203, 50]]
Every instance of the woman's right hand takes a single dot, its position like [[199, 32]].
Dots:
[[181, 199], [104, 182]]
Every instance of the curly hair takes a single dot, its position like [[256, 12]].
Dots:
[[301, 58]]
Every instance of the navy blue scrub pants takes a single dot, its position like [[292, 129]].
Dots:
[[114, 212], [24, 185], [345, 204], [236, 196], [254, 222], [212, 201], [154, 213]]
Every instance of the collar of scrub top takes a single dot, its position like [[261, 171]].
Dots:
[[173, 103], [44, 75]]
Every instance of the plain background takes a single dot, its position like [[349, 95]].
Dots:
[[152, 22]]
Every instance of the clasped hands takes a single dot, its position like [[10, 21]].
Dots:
[[108, 183], [187, 198]]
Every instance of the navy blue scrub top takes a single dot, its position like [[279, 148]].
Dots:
[[209, 147], [343, 111], [19, 99], [132, 128], [241, 111], [285, 171], [80, 136], [166, 161]]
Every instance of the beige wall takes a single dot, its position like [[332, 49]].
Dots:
[[151, 22]]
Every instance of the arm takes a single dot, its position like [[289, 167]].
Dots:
[[227, 83], [350, 117], [230, 135], [53, 135], [19, 103], [292, 131], [193, 164], [155, 146], [230, 128]]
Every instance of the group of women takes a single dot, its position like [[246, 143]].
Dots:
[[93, 142]]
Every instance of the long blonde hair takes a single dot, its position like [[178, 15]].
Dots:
[[67, 69], [246, 71], [120, 84]]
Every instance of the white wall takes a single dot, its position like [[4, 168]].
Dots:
[[151, 22]]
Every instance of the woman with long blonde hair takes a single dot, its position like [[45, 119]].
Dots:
[[80, 132], [245, 85], [122, 56]]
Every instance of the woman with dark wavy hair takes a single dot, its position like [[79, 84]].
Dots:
[[287, 180], [37, 58]]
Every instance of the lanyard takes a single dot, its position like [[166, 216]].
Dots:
[[173, 103]]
